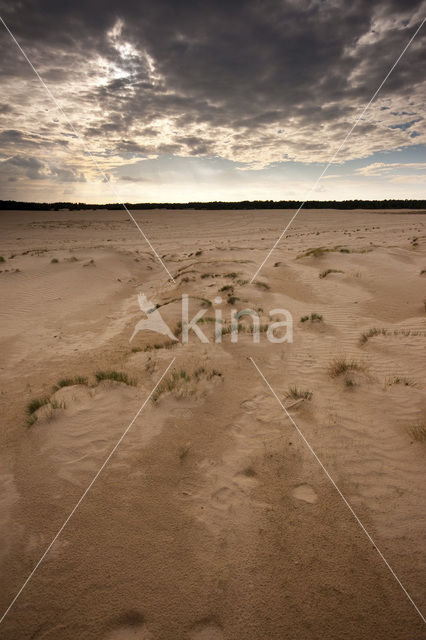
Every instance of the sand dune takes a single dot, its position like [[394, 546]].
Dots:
[[213, 520]]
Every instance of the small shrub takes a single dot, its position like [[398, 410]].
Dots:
[[54, 261], [2, 259], [227, 287], [422, 272], [349, 382], [198, 253], [232, 299], [304, 318]]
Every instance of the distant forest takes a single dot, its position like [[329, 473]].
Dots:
[[244, 204]]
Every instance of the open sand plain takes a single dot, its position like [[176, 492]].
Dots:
[[213, 520]]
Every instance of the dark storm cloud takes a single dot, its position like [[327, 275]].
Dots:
[[243, 64], [35, 169]]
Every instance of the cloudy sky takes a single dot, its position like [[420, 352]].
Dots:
[[212, 99]]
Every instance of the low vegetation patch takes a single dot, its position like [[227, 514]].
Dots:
[[325, 273], [341, 365], [407, 382], [318, 252], [418, 432], [296, 394], [116, 376], [263, 285], [183, 384], [69, 382], [36, 403], [314, 317], [376, 331]]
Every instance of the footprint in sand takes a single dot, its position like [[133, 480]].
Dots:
[[305, 493]]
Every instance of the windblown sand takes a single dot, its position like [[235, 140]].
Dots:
[[213, 520]]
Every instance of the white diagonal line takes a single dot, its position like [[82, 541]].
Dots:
[[83, 496], [86, 148], [340, 493], [349, 133]]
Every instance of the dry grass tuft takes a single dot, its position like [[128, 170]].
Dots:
[[341, 365], [296, 394], [418, 432]]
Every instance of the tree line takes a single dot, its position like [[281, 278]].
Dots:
[[14, 205]]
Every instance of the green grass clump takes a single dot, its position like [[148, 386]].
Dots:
[[32, 419], [178, 382], [314, 317], [70, 382], [36, 403], [325, 273], [341, 365], [117, 376], [296, 394]]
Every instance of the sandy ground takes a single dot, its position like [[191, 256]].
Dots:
[[213, 520]]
